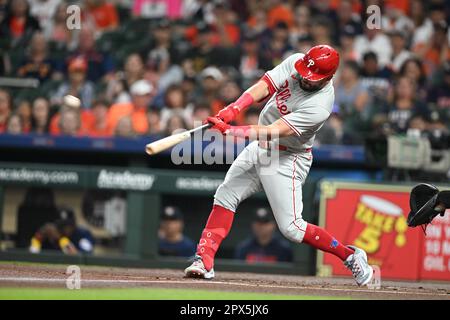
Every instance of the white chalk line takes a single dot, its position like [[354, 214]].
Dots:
[[93, 281]]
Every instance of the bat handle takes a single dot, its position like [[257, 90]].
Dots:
[[205, 126]]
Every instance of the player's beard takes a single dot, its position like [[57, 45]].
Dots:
[[310, 86]]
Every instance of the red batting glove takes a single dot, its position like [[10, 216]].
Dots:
[[218, 124], [228, 113]]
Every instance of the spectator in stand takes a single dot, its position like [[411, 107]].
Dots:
[[43, 11], [56, 29], [118, 89], [321, 31], [263, 246], [3, 9], [172, 241], [201, 112], [70, 122], [175, 105], [423, 27], [18, 25], [23, 110], [15, 125], [175, 124], [278, 44], [124, 128], [226, 32], [211, 79], [414, 69], [99, 124], [100, 15], [5, 109], [40, 116], [351, 95], [141, 98], [302, 24], [258, 22], [280, 11], [346, 41], [394, 19], [204, 53], [373, 40], [171, 9], [439, 94], [77, 84], [346, 19], [304, 43], [436, 51], [251, 59], [160, 61], [84, 116], [373, 75], [399, 51], [154, 121], [37, 63], [188, 84], [63, 235], [100, 65], [404, 104]]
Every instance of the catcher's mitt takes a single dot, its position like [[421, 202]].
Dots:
[[426, 202]]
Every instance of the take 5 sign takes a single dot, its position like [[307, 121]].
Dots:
[[373, 218]]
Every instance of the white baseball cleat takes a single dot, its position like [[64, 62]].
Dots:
[[197, 270], [358, 265]]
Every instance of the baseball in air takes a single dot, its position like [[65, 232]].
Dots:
[[71, 101]]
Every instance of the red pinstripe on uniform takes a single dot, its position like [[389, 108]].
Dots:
[[293, 194], [291, 126]]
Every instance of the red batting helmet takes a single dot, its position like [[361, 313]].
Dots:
[[320, 62]]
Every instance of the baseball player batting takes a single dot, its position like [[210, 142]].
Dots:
[[301, 96]]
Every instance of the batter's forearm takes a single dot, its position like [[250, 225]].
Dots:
[[254, 132], [278, 129], [259, 91]]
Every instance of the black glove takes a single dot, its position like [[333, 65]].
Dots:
[[426, 202]]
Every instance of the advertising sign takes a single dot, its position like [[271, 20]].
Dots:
[[373, 218]]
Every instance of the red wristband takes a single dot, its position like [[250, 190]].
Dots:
[[244, 101]]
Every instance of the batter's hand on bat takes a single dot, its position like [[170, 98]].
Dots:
[[228, 113], [218, 124]]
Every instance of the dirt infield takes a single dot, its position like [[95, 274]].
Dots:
[[24, 275]]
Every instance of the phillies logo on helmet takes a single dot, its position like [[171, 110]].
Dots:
[[310, 63]]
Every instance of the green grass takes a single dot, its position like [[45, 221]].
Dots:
[[141, 294]]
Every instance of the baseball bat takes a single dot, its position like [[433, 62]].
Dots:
[[168, 142]]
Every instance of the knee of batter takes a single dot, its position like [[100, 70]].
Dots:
[[295, 230], [226, 198]]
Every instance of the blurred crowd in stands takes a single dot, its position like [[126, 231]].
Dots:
[[154, 66]]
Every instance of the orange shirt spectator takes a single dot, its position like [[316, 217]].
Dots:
[[128, 109], [280, 13], [402, 5], [98, 126], [103, 14], [85, 117], [356, 5], [141, 96]]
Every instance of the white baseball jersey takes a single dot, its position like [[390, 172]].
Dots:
[[303, 111]]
